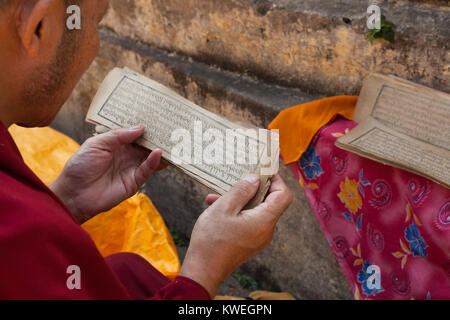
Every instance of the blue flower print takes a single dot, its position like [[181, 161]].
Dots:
[[416, 243], [310, 163]]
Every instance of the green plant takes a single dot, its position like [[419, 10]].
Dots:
[[246, 282], [176, 237], [385, 32]]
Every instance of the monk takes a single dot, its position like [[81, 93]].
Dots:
[[41, 242]]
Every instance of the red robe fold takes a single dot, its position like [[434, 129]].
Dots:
[[40, 239]]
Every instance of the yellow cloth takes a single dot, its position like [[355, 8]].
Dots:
[[133, 226], [298, 125], [136, 226]]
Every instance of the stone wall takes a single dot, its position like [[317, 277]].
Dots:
[[316, 45], [248, 60]]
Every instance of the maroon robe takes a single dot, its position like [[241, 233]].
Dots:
[[40, 239]]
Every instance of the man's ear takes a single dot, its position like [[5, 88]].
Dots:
[[31, 16]]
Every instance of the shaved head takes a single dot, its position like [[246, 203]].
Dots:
[[41, 59]]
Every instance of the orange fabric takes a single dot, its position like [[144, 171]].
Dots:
[[298, 125], [133, 226], [136, 226]]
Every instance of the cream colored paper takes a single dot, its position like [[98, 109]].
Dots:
[[127, 99], [404, 125]]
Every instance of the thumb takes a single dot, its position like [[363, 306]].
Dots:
[[240, 194], [113, 139]]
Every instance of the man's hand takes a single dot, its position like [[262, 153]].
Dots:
[[105, 171], [224, 236]]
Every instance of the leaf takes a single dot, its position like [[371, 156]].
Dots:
[[246, 282], [386, 31], [301, 181], [404, 247], [358, 222], [361, 174], [354, 252], [357, 295], [358, 262], [348, 216], [371, 36], [313, 185], [416, 219], [389, 35], [398, 254], [366, 182], [361, 190], [405, 258], [176, 237], [359, 250], [337, 134], [408, 212]]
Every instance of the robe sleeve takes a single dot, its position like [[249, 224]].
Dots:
[[47, 255], [143, 281], [182, 288]]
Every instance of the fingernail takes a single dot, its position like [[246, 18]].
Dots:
[[135, 128], [252, 178]]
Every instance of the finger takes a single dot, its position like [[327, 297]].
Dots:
[[128, 135], [211, 198], [162, 165], [138, 153], [278, 199], [240, 194], [99, 129], [277, 184], [145, 170], [143, 153], [115, 138]]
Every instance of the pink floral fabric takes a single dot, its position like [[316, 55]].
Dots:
[[377, 215]]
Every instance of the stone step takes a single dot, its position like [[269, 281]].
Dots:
[[317, 46], [231, 94]]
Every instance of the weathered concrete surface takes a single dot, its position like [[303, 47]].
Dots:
[[248, 60], [304, 44], [299, 260]]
